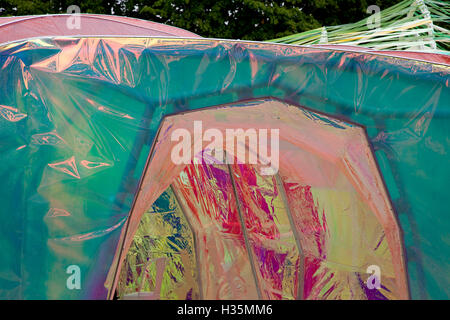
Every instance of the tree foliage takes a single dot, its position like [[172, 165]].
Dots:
[[235, 19]]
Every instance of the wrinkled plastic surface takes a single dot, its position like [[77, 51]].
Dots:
[[164, 234], [308, 229], [442, 58], [78, 117]]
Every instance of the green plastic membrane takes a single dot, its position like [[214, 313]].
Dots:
[[78, 117]]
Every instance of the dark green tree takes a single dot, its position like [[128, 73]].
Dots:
[[336, 12], [236, 19]]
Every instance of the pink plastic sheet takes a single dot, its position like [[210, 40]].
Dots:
[[18, 28]]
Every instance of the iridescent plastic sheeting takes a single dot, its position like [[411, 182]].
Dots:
[[225, 268], [79, 115], [278, 265], [164, 235], [310, 233], [24, 27]]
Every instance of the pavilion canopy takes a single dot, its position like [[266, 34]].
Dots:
[[23, 27], [80, 117]]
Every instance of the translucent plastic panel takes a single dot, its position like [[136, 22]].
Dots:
[[78, 117], [272, 241], [312, 232], [163, 241], [340, 239], [207, 198]]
